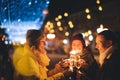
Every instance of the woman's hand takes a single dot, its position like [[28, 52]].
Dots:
[[64, 63], [83, 63]]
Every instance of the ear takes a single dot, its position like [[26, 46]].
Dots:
[[32, 48]]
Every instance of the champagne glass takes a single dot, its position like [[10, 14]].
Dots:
[[72, 61], [78, 62]]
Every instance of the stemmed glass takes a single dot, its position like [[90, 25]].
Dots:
[[74, 59], [75, 62], [77, 65]]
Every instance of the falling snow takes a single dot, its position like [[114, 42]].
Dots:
[[17, 16]]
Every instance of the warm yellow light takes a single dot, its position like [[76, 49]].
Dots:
[[58, 23], [51, 25], [98, 2], [86, 34], [70, 24], [59, 16], [56, 19], [89, 32], [60, 28], [48, 28], [88, 16], [101, 26], [52, 31], [87, 10], [65, 14], [100, 8], [66, 33], [48, 23]]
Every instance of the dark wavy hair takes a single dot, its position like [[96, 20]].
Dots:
[[33, 36], [108, 35], [78, 36]]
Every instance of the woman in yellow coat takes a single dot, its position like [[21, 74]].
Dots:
[[30, 61]]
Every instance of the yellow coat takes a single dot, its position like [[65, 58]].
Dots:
[[26, 63]]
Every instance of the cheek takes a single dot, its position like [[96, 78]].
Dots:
[[40, 46], [73, 47], [79, 47], [102, 48], [105, 47], [98, 46]]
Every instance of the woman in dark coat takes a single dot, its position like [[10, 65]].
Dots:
[[87, 62], [109, 56]]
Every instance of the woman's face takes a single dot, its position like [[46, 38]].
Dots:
[[76, 45], [42, 43]]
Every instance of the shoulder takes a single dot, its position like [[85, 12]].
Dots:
[[27, 66], [18, 54]]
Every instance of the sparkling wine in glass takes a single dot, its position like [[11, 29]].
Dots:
[[78, 62]]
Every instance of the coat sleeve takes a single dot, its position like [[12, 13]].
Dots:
[[57, 76], [55, 70]]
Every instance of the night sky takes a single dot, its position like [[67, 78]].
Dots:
[[57, 7]]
